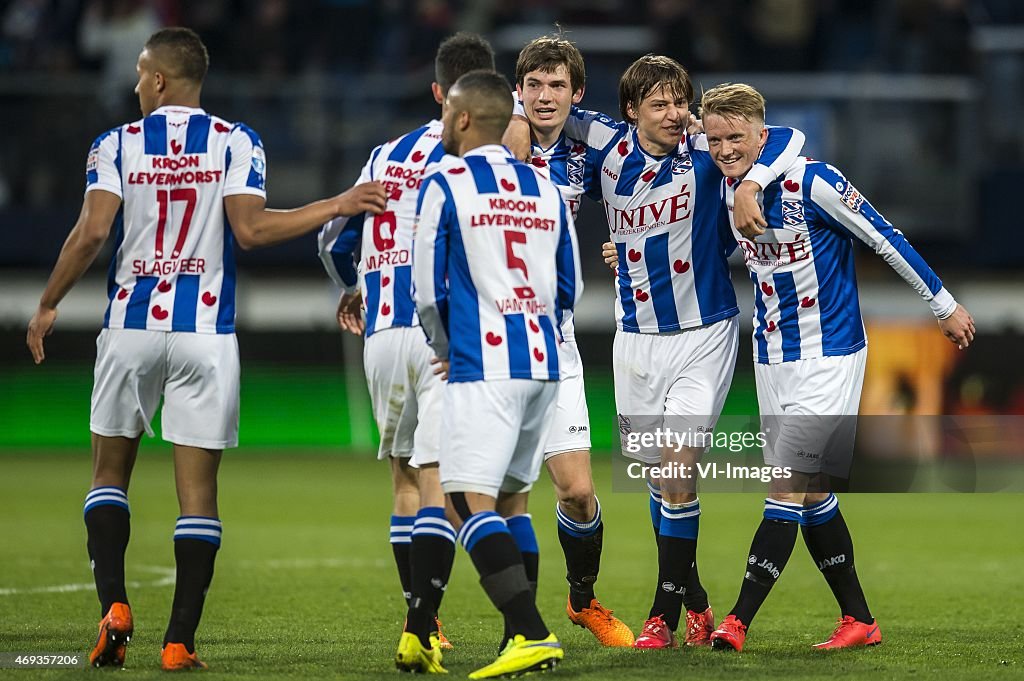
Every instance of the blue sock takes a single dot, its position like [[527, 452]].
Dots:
[[655, 506]]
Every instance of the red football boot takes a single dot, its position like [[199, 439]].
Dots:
[[850, 633], [729, 635], [656, 634], [699, 626]]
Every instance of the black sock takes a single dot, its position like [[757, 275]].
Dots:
[[675, 556], [108, 523], [831, 546], [401, 533], [769, 552], [521, 529], [695, 598], [194, 555], [677, 550], [499, 562], [432, 555], [581, 544]]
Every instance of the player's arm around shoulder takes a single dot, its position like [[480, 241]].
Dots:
[[79, 251], [781, 150], [254, 225]]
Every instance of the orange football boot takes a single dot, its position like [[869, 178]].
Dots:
[[608, 629], [175, 657], [115, 632]]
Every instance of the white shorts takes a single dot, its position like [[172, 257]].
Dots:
[[809, 412], [684, 375], [196, 373], [405, 393], [570, 427], [495, 434]]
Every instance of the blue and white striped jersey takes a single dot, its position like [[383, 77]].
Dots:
[[496, 264], [663, 216], [174, 265], [805, 286], [564, 163], [374, 252]]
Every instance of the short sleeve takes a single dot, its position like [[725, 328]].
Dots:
[[103, 166], [246, 163]]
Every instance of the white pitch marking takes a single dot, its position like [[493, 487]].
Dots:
[[166, 579], [167, 574]]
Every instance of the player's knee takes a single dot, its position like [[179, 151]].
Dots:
[[789, 497], [577, 498]]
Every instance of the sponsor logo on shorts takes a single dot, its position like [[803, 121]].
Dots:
[[752, 559], [808, 455]]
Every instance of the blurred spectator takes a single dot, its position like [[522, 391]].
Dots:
[[113, 32], [780, 35], [694, 34], [932, 36]]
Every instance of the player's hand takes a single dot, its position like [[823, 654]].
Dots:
[[368, 197], [517, 138], [610, 255], [350, 313], [694, 126], [746, 213], [440, 367], [958, 327], [40, 326]]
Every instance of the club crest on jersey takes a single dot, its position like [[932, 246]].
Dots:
[[792, 213], [852, 198], [259, 161], [575, 165], [682, 164]]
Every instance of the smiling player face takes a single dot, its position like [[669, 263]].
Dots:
[[661, 120], [547, 98], [735, 143]]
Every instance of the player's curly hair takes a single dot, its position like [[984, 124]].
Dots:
[[183, 51], [549, 52], [733, 100], [460, 54], [647, 74]]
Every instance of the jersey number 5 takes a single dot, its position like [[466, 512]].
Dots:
[[514, 262], [163, 199]]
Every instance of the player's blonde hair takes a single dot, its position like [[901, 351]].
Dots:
[[733, 100]]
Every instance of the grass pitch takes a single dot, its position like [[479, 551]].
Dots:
[[305, 586]]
